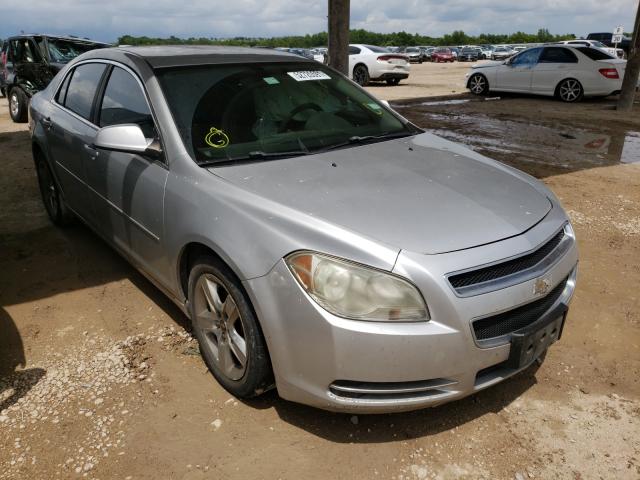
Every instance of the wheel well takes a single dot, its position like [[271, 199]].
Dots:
[[190, 253], [358, 64]]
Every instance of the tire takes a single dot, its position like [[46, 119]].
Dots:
[[51, 195], [478, 84], [361, 75], [18, 105], [569, 90], [392, 81], [231, 342]]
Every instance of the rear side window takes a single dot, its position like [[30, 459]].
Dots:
[[375, 49], [558, 55], [62, 93], [124, 102], [25, 51], [82, 88], [594, 53], [354, 50]]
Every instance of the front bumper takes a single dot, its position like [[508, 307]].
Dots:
[[374, 367]]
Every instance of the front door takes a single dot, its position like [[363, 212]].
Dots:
[[127, 190], [515, 74]]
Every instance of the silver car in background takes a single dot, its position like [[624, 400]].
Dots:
[[318, 241]]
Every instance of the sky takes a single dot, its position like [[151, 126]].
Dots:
[[106, 20]]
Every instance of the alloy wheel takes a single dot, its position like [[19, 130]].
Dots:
[[570, 90], [477, 84], [14, 104], [218, 319], [360, 75]]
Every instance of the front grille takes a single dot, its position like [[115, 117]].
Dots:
[[513, 320], [507, 268]]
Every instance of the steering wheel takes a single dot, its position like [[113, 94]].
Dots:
[[300, 108]]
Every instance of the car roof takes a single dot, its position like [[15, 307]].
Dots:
[[167, 56]]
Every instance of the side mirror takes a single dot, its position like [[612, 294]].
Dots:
[[124, 138]]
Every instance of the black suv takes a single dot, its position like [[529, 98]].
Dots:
[[29, 62]]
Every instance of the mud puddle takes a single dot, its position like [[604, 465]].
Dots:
[[559, 146]]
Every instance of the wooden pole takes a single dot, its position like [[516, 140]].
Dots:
[[632, 72], [339, 35]]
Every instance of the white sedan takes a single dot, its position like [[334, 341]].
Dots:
[[369, 62], [567, 72], [614, 52]]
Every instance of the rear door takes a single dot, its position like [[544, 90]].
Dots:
[[127, 190], [71, 130], [554, 65], [516, 73]]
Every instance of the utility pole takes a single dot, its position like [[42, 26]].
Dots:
[[632, 72], [339, 35]]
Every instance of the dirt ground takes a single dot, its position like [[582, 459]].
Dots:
[[99, 377]]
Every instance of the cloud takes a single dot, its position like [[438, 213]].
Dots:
[[107, 20]]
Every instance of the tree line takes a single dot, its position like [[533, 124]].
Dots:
[[457, 37]]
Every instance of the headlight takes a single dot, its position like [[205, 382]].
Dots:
[[355, 291]]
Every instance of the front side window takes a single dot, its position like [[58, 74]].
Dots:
[[82, 88], [527, 58], [124, 102], [231, 112], [558, 55]]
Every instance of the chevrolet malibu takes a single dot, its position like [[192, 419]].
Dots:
[[319, 242]]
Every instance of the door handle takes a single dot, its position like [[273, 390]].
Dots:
[[91, 150], [46, 123]]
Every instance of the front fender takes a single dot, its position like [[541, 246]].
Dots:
[[251, 233]]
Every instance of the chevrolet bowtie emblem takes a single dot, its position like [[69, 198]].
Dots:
[[541, 286]]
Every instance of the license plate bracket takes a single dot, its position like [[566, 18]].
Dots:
[[528, 345]]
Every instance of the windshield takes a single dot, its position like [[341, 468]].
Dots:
[[239, 112], [63, 51]]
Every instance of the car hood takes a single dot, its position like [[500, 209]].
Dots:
[[487, 64], [421, 193]]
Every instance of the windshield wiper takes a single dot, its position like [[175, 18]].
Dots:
[[356, 139], [256, 155]]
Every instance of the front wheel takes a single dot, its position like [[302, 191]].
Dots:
[[569, 90], [227, 330], [18, 105], [478, 84], [361, 75]]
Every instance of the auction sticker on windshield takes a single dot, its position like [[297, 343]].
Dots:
[[309, 75]]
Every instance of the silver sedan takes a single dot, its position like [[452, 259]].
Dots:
[[319, 242]]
